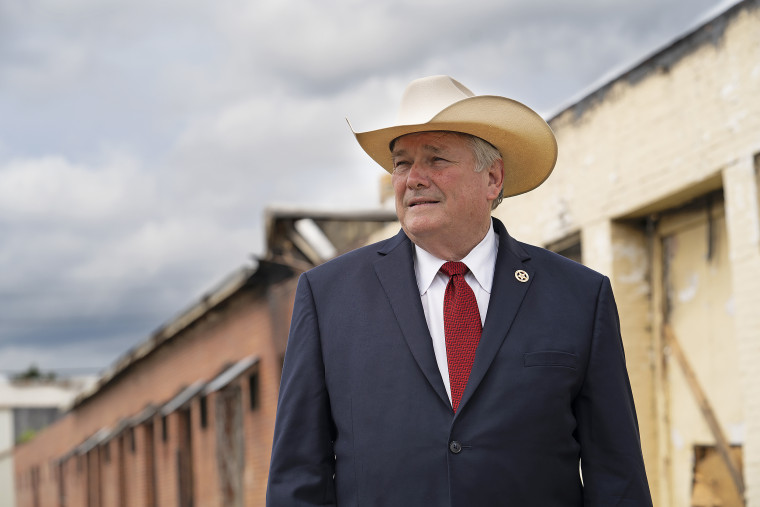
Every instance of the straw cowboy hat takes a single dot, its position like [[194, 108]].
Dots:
[[525, 140]]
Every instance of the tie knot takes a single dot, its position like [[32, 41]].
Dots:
[[454, 268]]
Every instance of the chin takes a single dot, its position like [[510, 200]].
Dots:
[[420, 228]]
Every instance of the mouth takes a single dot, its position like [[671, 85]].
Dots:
[[420, 201]]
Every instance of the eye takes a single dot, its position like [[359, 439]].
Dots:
[[400, 165]]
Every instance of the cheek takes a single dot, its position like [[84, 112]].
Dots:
[[398, 192], [469, 198], [399, 186]]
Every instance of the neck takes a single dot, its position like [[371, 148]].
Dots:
[[452, 249]]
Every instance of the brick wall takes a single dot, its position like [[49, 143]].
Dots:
[[131, 475]]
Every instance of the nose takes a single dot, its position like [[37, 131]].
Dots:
[[418, 176]]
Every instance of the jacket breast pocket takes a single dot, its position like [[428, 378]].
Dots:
[[551, 358]]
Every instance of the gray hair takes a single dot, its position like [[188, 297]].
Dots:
[[485, 155]]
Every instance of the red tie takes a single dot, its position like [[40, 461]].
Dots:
[[462, 327]]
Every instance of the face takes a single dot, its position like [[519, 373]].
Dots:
[[443, 204]]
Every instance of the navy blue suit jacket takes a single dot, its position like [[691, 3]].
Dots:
[[364, 419]]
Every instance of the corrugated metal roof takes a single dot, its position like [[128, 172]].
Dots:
[[230, 374], [183, 397], [238, 280], [100, 436]]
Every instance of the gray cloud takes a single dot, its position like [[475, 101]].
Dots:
[[140, 141]]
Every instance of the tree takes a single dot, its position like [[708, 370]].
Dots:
[[34, 373]]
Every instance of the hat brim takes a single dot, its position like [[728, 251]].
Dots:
[[525, 141]]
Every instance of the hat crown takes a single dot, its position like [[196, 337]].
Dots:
[[426, 97], [440, 103]]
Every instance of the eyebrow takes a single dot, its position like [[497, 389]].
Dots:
[[426, 147]]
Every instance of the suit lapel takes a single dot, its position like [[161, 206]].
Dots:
[[507, 294], [395, 270]]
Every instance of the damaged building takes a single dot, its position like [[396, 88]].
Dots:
[[187, 417], [657, 185]]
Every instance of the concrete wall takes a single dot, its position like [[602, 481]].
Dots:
[[7, 499], [680, 125], [743, 216]]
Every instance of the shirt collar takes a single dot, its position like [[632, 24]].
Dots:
[[481, 261]]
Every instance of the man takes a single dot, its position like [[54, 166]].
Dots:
[[452, 365]]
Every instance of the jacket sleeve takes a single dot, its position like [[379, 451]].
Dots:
[[612, 465], [302, 468]]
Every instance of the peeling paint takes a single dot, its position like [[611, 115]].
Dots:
[[690, 291], [601, 247], [728, 91], [635, 266], [678, 441], [734, 123], [730, 306], [735, 433]]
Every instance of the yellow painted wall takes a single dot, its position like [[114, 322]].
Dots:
[[683, 123]]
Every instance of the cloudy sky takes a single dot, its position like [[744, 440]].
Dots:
[[140, 140]]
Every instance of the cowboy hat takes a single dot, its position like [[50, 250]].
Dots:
[[441, 103]]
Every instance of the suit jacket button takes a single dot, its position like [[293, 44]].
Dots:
[[455, 447]]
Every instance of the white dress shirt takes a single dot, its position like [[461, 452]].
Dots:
[[481, 262]]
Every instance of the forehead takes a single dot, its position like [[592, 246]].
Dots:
[[432, 141]]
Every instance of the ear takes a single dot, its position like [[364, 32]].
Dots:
[[495, 179]]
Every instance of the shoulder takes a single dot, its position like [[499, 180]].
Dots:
[[551, 266], [552, 259], [357, 260], [555, 270]]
